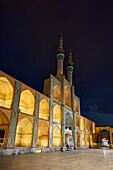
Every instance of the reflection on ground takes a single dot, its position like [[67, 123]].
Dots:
[[90, 159]]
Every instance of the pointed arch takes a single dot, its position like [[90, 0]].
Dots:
[[67, 96], [27, 102], [76, 106], [43, 135], [56, 137], [57, 93], [82, 123], [56, 114], [44, 109], [24, 133], [6, 93], [77, 121], [68, 119], [3, 119]]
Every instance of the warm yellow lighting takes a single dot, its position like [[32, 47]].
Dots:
[[43, 133], [56, 137], [76, 106], [86, 124], [24, 133], [82, 123], [27, 102], [6, 92], [3, 119], [93, 128], [57, 93], [87, 139], [67, 96], [56, 114], [78, 139], [77, 121], [83, 139], [91, 140], [44, 109]]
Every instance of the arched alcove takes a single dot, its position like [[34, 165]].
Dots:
[[87, 139], [83, 138], [27, 102], [68, 121], [4, 125], [24, 133], [78, 139], [82, 123], [43, 135], [104, 134], [57, 93], [44, 109], [67, 96], [56, 137], [6, 93], [56, 114], [76, 106], [77, 122]]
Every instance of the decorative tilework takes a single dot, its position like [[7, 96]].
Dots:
[[14, 116], [36, 120]]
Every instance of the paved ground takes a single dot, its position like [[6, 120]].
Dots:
[[70, 160]]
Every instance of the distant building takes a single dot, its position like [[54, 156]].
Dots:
[[48, 121]]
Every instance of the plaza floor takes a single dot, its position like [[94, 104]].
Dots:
[[90, 159]]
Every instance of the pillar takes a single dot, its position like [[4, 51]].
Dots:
[[14, 116], [35, 130], [51, 114], [63, 111], [74, 118], [85, 130]]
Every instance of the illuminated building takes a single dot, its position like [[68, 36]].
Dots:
[[48, 121]]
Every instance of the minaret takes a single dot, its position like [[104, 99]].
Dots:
[[60, 58], [70, 67]]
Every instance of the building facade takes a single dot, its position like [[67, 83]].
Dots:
[[48, 121]]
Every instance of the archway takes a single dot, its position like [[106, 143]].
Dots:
[[43, 135], [56, 114], [76, 106], [24, 133], [44, 109], [57, 93], [67, 96], [4, 125], [77, 122], [68, 121], [83, 138], [82, 123], [27, 102], [78, 139], [6, 93], [56, 137], [87, 139], [104, 134]]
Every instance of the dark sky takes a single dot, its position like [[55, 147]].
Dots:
[[29, 35]]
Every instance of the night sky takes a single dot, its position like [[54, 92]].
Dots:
[[29, 37]]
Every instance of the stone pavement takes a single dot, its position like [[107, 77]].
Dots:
[[90, 159]]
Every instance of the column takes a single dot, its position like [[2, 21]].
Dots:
[[85, 130], [63, 111], [35, 130], [89, 133], [51, 114], [80, 131], [74, 118], [14, 116]]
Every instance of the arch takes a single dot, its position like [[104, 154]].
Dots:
[[4, 126], [87, 139], [56, 137], [43, 135], [104, 134], [27, 102], [77, 122], [83, 139], [68, 119], [56, 114], [67, 96], [57, 93], [76, 106], [78, 139], [44, 109], [24, 133], [82, 123], [6, 93]]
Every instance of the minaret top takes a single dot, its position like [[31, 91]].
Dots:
[[60, 49], [70, 62]]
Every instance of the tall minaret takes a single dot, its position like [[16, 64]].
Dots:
[[60, 58], [70, 67]]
